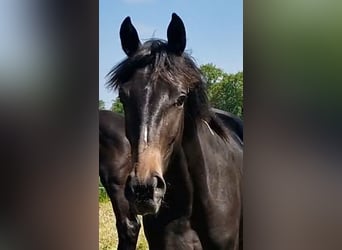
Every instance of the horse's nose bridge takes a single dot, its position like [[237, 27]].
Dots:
[[144, 133], [150, 120], [149, 164], [149, 135]]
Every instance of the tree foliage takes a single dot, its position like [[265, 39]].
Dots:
[[102, 105], [225, 91], [211, 73], [117, 106]]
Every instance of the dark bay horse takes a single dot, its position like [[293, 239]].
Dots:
[[115, 166], [114, 157], [186, 165]]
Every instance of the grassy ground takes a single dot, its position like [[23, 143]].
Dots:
[[108, 238]]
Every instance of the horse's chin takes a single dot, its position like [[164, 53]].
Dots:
[[147, 207]]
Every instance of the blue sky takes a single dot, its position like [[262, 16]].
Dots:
[[214, 31]]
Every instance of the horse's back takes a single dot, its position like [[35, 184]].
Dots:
[[114, 151], [111, 125], [232, 122]]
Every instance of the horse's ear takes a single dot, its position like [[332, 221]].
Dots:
[[176, 36], [129, 37]]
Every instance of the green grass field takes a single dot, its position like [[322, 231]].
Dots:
[[108, 238]]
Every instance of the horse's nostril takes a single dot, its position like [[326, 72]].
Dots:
[[153, 188], [158, 182]]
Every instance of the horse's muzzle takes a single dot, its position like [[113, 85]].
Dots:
[[145, 197]]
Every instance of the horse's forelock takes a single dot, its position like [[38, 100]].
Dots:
[[164, 65]]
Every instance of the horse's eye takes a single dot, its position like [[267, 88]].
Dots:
[[180, 101]]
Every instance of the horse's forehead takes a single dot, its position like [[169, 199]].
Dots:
[[144, 85]]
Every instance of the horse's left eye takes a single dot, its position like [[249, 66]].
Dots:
[[180, 101]]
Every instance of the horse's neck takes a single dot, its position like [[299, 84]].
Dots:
[[215, 179], [212, 162], [205, 158], [179, 184], [193, 152]]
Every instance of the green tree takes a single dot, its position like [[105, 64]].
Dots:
[[228, 94], [211, 73], [102, 105], [117, 106], [225, 91]]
